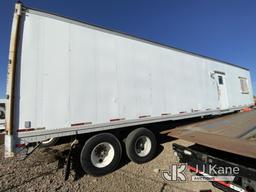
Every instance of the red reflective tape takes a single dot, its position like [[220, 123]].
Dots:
[[19, 145], [26, 129], [117, 119], [247, 109], [221, 182], [192, 168], [79, 124], [214, 179], [165, 114], [144, 116]]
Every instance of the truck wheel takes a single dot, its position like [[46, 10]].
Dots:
[[101, 154], [141, 145], [49, 142]]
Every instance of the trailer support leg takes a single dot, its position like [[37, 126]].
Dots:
[[29, 151], [66, 170]]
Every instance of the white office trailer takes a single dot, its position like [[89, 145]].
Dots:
[[68, 77]]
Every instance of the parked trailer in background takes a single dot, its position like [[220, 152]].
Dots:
[[2, 114], [68, 77]]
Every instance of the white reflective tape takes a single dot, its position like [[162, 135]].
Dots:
[[237, 188], [186, 152]]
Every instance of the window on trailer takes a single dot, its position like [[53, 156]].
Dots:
[[244, 85], [220, 80]]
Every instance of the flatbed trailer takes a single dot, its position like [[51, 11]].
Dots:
[[198, 158], [221, 142]]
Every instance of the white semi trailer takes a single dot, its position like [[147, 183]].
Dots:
[[70, 78]]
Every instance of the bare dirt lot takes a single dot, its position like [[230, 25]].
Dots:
[[39, 173]]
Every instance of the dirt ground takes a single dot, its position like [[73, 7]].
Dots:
[[39, 173]]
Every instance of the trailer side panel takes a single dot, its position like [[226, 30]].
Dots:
[[73, 73]]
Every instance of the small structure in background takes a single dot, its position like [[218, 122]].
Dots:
[[2, 114]]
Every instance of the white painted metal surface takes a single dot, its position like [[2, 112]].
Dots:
[[70, 73], [74, 73]]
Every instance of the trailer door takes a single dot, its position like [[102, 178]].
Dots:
[[222, 91]]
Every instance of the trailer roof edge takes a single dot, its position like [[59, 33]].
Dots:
[[123, 34]]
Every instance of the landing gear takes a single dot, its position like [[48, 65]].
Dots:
[[67, 164]]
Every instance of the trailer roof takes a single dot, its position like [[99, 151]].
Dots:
[[116, 32]]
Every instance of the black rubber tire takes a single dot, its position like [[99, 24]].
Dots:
[[85, 158], [50, 143], [131, 142]]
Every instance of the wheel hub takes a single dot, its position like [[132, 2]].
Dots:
[[102, 155], [143, 146]]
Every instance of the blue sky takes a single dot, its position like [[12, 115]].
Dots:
[[222, 29]]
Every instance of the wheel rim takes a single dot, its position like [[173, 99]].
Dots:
[[143, 146], [102, 155], [47, 141]]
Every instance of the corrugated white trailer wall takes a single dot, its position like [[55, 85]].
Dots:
[[69, 72]]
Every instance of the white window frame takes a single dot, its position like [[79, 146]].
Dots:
[[244, 86]]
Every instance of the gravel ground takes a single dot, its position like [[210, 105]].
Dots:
[[39, 173]]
